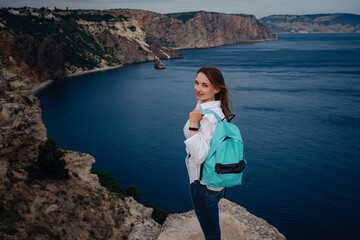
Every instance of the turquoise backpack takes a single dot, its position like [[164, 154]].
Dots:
[[225, 162]]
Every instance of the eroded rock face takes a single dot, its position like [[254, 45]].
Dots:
[[44, 59], [78, 208], [141, 227], [235, 223], [50, 59], [21, 127], [79, 164], [203, 29]]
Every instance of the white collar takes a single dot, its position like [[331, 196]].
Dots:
[[208, 105]]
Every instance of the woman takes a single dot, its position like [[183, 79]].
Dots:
[[212, 94]]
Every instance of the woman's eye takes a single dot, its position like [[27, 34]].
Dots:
[[205, 85]]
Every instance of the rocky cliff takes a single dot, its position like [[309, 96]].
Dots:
[[235, 223], [318, 23], [79, 207], [72, 41], [200, 29]]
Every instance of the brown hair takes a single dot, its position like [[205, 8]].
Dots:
[[217, 79]]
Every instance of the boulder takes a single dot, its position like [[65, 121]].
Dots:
[[159, 64], [235, 223]]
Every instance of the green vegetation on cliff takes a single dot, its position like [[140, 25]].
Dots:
[[79, 48], [186, 16], [107, 180], [49, 163], [183, 16]]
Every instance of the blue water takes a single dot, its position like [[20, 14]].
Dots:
[[296, 102]]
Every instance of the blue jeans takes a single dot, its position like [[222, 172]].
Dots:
[[205, 203]]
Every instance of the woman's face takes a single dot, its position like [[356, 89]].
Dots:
[[205, 91]]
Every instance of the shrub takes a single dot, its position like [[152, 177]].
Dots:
[[133, 192], [132, 28], [107, 180], [27, 101], [95, 17], [158, 214], [122, 18], [49, 163]]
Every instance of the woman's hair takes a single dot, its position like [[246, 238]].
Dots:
[[217, 79]]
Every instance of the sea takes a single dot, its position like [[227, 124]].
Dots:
[[297, 104]]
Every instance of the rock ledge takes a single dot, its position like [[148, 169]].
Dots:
[[235, 222]]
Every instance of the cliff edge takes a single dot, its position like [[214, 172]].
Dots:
[[80, 207], [235, 222], [76, 208]]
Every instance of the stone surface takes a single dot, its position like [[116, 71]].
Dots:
[[203, 29], [21, 127], [80, 165], [143, 228], [159, 64], [235, 223]]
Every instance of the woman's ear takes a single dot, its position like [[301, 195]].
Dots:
[[217, 90]]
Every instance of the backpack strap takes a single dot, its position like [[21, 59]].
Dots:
[[203, 112], [230, 116]]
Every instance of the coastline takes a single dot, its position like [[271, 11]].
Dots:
[[40, 86], [94, 70], [228, 44]]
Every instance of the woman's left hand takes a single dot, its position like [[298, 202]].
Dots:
[[194, 117]]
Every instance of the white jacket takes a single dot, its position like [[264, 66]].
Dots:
[[198, 146]]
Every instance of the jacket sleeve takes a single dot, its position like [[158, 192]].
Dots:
[[198, 146]]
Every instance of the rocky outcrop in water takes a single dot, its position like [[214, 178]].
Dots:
[[316, 23], [159, 64]]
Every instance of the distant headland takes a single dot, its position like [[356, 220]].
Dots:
[[315, 23]]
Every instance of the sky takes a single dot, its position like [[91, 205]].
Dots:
[[259, 8]]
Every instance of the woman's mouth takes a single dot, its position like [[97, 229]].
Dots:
[[199, 94]]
